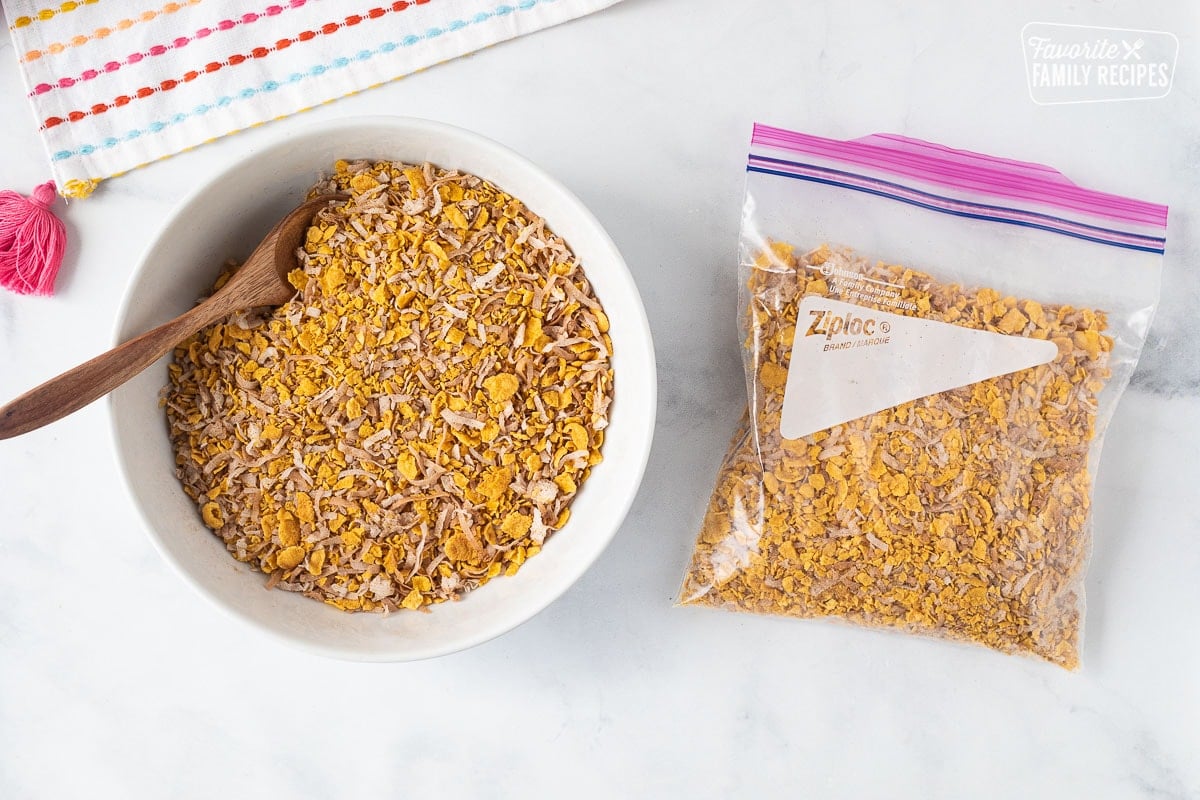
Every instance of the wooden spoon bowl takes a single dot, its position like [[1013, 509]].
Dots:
[[261, 281]]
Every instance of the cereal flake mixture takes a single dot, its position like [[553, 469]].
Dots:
[[417, 420], [964, 514]]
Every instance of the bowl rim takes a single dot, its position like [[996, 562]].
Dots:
[[401, 124]]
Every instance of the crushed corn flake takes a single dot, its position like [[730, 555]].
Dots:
[[418, 418], [964, 514]]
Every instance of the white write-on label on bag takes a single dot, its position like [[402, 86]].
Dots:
[[849, 361]]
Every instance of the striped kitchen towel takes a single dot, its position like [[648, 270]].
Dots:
[[117, 84]]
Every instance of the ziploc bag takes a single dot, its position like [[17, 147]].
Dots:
[[934, 342]]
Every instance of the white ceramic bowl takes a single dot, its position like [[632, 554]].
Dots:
[[224, 219]]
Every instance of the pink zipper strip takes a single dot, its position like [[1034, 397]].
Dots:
[[984, 175], [966, 208]]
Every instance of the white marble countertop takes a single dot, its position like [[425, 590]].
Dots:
[[117, 680]]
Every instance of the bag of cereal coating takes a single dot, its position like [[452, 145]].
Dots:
[[934, 342]]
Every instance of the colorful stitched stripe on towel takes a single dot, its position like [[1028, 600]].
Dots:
[[116, 86]]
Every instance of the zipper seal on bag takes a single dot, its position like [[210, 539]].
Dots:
[[961, 183]]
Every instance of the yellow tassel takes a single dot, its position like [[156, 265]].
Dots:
[[80, 189]]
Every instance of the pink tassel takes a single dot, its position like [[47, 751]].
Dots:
[[32, 241]]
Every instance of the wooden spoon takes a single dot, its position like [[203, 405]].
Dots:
[[261, 281]]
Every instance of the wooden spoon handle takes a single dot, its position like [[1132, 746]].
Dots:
[[74, 389]]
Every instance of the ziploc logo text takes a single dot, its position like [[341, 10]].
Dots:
[[1084, 64], [861, 331], [826, 323]]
